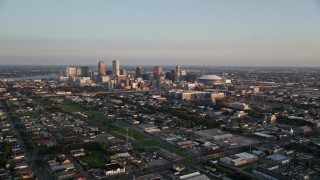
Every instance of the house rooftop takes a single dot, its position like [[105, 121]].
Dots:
[[113, 166]]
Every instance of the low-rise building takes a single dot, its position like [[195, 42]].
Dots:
[[78, 152], [304, 129], [194, 176], [46, 142], [241, 106], [150, 128], [114, 168], [221, 137], [212, 154], [239, 159], [179, 167], [281, 159], [187, 144]]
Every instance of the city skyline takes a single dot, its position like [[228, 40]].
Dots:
[[214, 33]]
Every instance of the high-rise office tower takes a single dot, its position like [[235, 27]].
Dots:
[[177, 73], [71, 71], [78, 71], [178, 69], [116, 67], [138, 71], [157, 71], [102, 68], [85, 71]]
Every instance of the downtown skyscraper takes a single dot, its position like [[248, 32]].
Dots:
[[102, 68], [139, 71], [157, 71], [116, 67], [177, 73], [85, 72]]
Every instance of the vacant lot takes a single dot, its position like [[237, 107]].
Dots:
[[28, 113], [156, 144], [94, 158], [71, 107], [139, 139]]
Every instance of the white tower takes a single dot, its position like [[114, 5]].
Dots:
[[116, 67]]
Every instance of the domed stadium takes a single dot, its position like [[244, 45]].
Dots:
[[211, 80]]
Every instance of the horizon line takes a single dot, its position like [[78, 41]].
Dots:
[[187, 65]]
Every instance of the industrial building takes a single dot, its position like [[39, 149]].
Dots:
[[278, 158], [239, 159], [241, 106]]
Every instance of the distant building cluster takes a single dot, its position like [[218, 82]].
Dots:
[[117, 78]]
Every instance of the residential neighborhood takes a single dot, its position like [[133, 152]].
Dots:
[[236, 127]]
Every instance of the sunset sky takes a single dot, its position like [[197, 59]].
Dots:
[[165, 32]]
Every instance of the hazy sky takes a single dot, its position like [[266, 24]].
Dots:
[[166, 32]]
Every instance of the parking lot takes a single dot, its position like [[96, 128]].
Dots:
[[234, 140]]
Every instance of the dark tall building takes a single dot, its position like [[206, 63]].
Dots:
[[146, 77], [116, 67], [138, 72], [102, 68], [177, 73], [85, 71], [191, 78], [157, 71], [170, 76], [109, 73]]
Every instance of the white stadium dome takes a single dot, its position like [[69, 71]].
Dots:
[[211, 80]]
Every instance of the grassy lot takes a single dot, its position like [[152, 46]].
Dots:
[[159, 145], [28, 113], [12, 105], [96, 117], [94, 158], [136, 135], [42, 150], [71, 107], [140, 138]]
